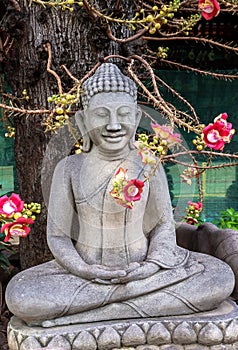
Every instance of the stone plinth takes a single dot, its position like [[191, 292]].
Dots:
[[215, 330]]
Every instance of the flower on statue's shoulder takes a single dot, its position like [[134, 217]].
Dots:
[[166, 133], [216, 134], [125, 191], [10, 206], [19, 227], [209, 8], [132, 191]]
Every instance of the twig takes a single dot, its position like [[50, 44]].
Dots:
[[213, 153], [214, 75], [126, 40], [24, 111], [89, 9], [202, 167], [7, 46], [15, 5], [180, 97], [184, 38], [164, 106], [69, 73], [49, 70], [118, 5], [159, 103]]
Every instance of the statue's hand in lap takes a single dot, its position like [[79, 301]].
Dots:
[[138, 271], [100, 273]]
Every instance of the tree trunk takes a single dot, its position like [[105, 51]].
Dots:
[[76, 42]]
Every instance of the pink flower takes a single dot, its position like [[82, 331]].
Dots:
[[209, 8], [126, 192], [147, 155], [18, 228], [165, 133], [132, 191], [217, 134], [9, 206], [195, 205]]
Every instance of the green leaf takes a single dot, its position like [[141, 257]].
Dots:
[[4, 262]]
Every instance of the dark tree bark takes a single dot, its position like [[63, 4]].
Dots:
[[77, 42]]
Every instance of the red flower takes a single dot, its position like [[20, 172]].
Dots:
[[217, 134], [191, 221], [132, 191], [9, 206], [210, 8], [18, 228], [196, 206]]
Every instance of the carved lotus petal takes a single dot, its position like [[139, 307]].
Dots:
[[109, 339], [133, 336], [158, 335], [231, 333], [184, 334], [12, 342], [30, 343], [60, 342], [85, 341], [148, 347], [210, 334]]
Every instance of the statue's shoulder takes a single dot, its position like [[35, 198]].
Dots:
[[70, 164]]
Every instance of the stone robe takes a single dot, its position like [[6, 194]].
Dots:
[[84, 220]]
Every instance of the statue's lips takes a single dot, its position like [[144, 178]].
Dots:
[[113, 137]]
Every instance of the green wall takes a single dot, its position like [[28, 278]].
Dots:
[[210, 97]]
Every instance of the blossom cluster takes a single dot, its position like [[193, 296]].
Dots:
[[193, 212], [188, 174], [153, 146], [125, 191], [16, 216], [150, 148]]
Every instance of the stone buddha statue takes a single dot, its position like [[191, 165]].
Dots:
[[112, 262]]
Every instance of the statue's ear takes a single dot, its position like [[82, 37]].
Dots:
[[79, 117], [138, 118]]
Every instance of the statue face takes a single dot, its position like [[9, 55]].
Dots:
[[111, 120]]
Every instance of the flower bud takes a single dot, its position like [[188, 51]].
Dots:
[[59, 110], [17, 215], [199, 147], [150, 18]]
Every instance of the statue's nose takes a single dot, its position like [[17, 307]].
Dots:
[[113, 124]]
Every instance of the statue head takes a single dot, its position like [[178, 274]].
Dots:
[[111, 115]]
